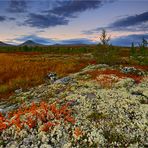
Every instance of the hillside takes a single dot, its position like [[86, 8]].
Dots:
[[30, 43], [99, 106], [2, 44]]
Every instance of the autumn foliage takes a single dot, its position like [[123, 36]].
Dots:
[[109, 76], [24, 70], [78, 132], [31, 115]]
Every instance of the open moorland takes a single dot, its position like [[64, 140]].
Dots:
[[24, 67], [96, 97], [73, 74], [23, 70]]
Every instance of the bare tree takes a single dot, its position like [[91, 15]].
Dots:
[[104, 38]]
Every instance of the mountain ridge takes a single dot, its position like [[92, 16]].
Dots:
[[30, 43], [2, 44]]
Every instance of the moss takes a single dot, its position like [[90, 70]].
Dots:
[[97, 116]]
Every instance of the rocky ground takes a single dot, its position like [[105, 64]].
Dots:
[[100, 106]]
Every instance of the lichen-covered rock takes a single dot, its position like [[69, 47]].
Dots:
[[103, 117], [64, 80], [132, 70]]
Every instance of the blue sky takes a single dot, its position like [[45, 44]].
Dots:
[[73, 21]]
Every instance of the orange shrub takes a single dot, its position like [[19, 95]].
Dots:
[[30, 115]]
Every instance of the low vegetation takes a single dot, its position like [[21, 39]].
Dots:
[[34, 114], [106, 79], [24, 70]]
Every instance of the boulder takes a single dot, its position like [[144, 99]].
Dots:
[[132, 70], [64, 80], [51, 77], [18, 91]]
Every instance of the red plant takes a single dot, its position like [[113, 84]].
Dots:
[[77, 132], [70, 119], [47, 125], [1, 117], [3, 126], [31, 123], [30, 115], [96, 73]]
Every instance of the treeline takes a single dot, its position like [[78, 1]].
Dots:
[[50, 49], [107, 54]]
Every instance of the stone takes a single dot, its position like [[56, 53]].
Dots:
[[64, 80], [51, 77], [132, 70], [7, 108], [18, 91], [91, 96]]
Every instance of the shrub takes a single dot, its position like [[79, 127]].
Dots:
[[107, 54]]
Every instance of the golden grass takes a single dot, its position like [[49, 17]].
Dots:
[[27, 70]]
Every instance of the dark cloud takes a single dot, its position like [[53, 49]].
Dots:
[[131, 23], [12, 18], [17, 6], [44, 21], [127, 40], [131, 20], [2, 18], [59, 11], [62, 12], [71, 8]]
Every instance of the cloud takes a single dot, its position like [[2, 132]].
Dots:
[[62, 12], [92, 31], [131, 23], [77, 41], [70, 8], [131, 20], [44, 21], [17, 6], [12, 18], [2, 18], [127, 40], [120, 41], [49, 13]]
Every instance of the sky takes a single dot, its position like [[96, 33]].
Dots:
[[73, 21]]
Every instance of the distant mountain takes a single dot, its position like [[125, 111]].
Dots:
[[2, 44], [31, 43]]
